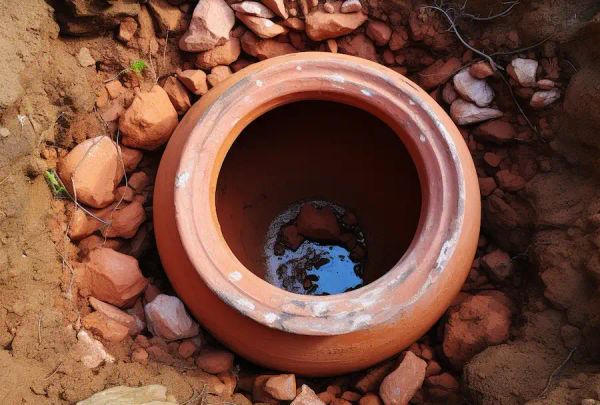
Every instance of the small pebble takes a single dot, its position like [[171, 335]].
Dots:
[[84, 57]]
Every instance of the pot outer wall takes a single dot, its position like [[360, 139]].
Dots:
[[402, 305]]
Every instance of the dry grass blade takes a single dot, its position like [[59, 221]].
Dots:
[[556, 371], [54, 371], [201, 396], [4, 179], [39, 325]]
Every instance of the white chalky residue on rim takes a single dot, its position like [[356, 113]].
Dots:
[[319, 308], [361, 320], [298, 68], [448, 247], [259, 83], [270, 317], [245, 304], [337, 78], [182, 179], [235, 276], [369, 299], [422, 138]]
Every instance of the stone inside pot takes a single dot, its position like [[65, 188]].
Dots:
[[315, 248], [294, 185]]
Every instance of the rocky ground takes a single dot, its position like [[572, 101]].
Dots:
[[92, 90]]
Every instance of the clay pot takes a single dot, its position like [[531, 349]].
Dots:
[[383, 148]]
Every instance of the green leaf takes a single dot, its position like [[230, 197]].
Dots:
[[138, 66], [56, 186]]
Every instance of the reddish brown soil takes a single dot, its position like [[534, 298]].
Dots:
[[550, 228]]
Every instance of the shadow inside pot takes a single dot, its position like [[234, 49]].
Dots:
[[319, 150]]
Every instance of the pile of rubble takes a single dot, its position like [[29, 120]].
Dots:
[[112, 180]]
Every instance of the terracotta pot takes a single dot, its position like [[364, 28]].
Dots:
[[417, 200]]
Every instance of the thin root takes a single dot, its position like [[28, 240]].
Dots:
[[461, 39], [40, 329], [526, 48], [503, 13], [521, 111], [556, 371]]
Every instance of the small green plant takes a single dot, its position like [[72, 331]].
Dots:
[[56, 186], [138, 66]]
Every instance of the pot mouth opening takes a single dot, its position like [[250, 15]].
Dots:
[[318, 197], [413, 117]]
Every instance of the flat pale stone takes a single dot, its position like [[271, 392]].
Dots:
[[167, 318], [464, 112], [253, 8], [149, 394], [282, 387], [322, 25], [262, 27], [307, 396], [211, 24], [473, 89], [84, 57], [90, 351], [351, 6], [523, 71], [541, 99]]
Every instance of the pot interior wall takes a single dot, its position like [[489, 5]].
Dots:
[[319, 150]]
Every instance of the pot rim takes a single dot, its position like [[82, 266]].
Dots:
[[424, 128]]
